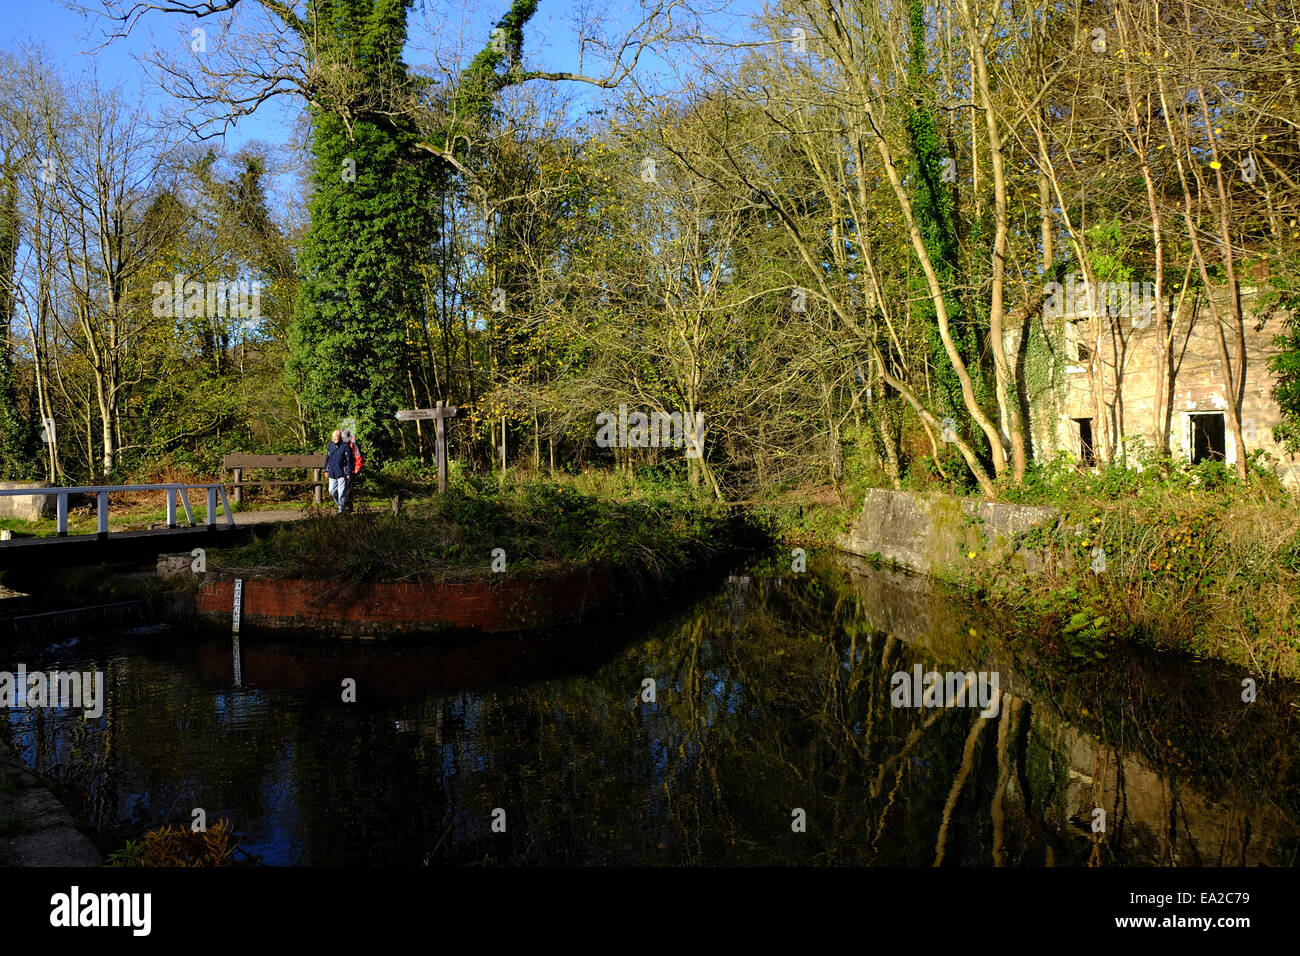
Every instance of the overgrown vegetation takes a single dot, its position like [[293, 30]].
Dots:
[[1194, 559], [823, 234], [1191, 559], [539, 527], [826, 247]]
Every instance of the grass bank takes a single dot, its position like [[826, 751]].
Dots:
[[1188, 559], [1193, 560], [533, 528]]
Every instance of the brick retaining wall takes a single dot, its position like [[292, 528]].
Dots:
[[491, 606]]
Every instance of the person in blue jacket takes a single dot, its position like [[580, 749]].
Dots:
[[338, 466]]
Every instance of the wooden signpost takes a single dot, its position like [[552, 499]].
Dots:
[[440, 414]]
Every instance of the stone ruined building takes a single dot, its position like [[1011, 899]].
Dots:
[[1112, 336]]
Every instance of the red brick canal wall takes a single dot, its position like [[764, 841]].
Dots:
[[490, 606]]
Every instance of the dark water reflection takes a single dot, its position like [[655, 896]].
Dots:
[[773, 694]]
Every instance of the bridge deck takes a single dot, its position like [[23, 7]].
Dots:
[[24, 561]]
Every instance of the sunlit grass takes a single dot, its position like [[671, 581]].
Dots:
[[538, 527]]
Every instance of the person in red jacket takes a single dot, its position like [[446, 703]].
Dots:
[[356, 468]]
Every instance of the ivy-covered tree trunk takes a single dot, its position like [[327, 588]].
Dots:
[[933, 171], [377, 191], [16, 437], [362, 287], [370, 223]]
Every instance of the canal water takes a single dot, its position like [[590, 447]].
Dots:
[[758, 722]]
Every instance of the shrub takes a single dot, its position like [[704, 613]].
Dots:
[[172, 845]]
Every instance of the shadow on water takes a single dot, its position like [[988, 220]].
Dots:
[[772, 696]]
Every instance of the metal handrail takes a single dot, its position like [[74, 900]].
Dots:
[[174, 491]]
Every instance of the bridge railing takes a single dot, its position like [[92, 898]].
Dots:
[[174, 492]]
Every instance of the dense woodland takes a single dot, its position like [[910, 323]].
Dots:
[[819, 229]]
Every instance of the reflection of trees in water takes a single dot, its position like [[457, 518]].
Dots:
[[770, 697], [160, 750], [750, 722], [823, 730], [788, 706]]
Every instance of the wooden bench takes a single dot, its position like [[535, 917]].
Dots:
[[237, 464]]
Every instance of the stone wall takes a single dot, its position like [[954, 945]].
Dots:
[[26, 507], [40, 830], [935, 533]]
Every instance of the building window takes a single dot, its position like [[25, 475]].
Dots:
[[1086, 453], [1076, 349], [1208, 437]]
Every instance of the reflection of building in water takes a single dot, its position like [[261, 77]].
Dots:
[[738, 587], [426, 725], [1051, 776], [1151, 814]]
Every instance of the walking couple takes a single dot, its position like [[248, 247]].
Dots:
[[342, 463]]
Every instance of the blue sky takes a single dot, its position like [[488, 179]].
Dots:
[[442, 36], [441, 33]]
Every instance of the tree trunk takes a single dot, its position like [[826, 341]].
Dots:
[[1008, 395]]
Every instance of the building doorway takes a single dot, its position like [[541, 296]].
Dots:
[[1087, 454], [1208, 437]]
